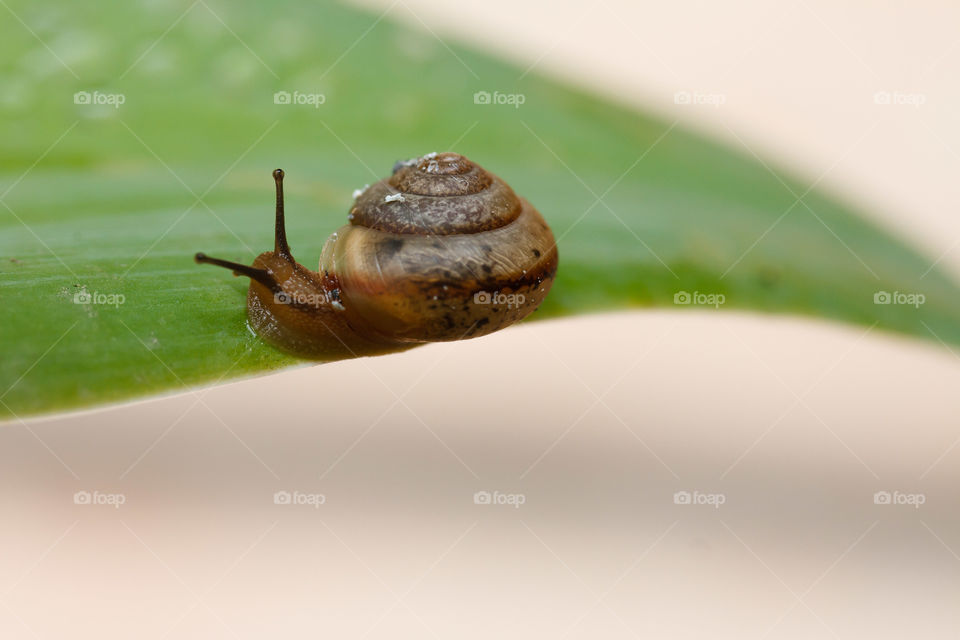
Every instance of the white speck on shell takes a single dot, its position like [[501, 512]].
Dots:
[[336, 304], [359, 192], [396, 197]]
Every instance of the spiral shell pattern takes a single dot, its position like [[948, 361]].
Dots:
[[440, 250]]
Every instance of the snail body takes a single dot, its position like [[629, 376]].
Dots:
[[441, 250]]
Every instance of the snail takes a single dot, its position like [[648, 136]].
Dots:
[[441, 250]]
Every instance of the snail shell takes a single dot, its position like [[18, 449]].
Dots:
[[441, 250]]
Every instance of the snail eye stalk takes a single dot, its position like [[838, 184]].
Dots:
[[280, 245]]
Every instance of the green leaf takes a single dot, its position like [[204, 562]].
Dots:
[[114, 200]]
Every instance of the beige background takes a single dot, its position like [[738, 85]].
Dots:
[[595, 421]]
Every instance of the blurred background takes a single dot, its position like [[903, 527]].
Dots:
[[781, 466]]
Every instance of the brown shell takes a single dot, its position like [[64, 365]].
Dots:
[[441, 250]]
